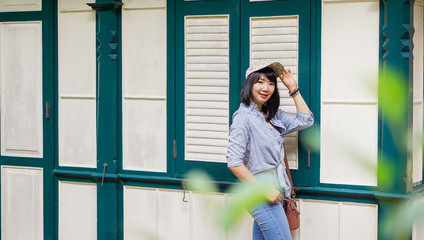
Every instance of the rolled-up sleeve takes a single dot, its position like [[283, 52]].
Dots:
[[295, 122], [238, 140]]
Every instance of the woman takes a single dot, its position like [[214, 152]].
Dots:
[[256, 139]]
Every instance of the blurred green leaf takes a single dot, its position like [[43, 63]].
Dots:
[[246, 196], [311, 138], [200, 181], [397, 223], [393, 97]]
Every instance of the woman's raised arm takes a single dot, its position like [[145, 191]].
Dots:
[[288, 80]]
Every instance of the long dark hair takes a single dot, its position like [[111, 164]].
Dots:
[[270, 107]]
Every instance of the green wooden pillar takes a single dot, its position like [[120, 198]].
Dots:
[[397, 56], [108, 71]]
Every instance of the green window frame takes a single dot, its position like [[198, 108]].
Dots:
[[239, 12]]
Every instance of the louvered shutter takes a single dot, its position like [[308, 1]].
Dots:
[[276, 39], [206, 87]]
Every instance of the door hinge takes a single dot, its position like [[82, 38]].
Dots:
[[174, 145], [47, 110]]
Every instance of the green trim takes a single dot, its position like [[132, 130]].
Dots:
[[170, 84], [315, 102], [346, 186], [22, 161], [120, 207], [322, 193], [71, 179], [396, 55], [106, 6], [27, 16], [108, 28], [213, 7], [55, 107], [396, 51]]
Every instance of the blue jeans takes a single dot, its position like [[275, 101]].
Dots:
[[270, 221]]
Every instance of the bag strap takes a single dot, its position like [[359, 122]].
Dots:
[[286, 162]]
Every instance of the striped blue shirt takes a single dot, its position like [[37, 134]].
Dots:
[[257, 145]]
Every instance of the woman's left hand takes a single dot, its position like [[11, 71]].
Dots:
[[288, 80]]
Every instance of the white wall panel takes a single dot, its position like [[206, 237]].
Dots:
[[349, 136], [144, 34], [139, 213], [349, 112], [206, 87], [144, 135], [418, 77], [173, 215], [77, 135], [418, 231], [21, 203], [143, 4], [244, 229], [77, 211], [319, 220], [350, 50], [417, 143], [74, 5], [418, 225], [204, 221], [144, 85], [77, 84], [21, 89], [147, 211], [358, 221], [276, 39], [20, 5], [77, 54]]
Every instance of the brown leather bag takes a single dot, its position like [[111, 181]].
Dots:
[[290, 207]]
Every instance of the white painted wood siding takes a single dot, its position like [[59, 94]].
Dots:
[[418, 224], [418, 77], [77, 84], [144, 74], [349, 111], [206, 87], [21, 203], [151, 213], [276, 39], [21, 84], [20, 5], [77, 211]]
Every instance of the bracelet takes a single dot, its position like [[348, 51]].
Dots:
[[294, 93]]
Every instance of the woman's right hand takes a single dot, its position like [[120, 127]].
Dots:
[[274, 196]]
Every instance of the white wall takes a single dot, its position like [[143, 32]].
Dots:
[[161, 213], [418, 65], [21, 5], [21, 84], [144, 62], [21, 203], [349, 111], [77, 84], [77, 210]]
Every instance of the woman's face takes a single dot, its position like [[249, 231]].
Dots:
[[262, 90]]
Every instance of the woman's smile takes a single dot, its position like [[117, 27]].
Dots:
[[264, 96]]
